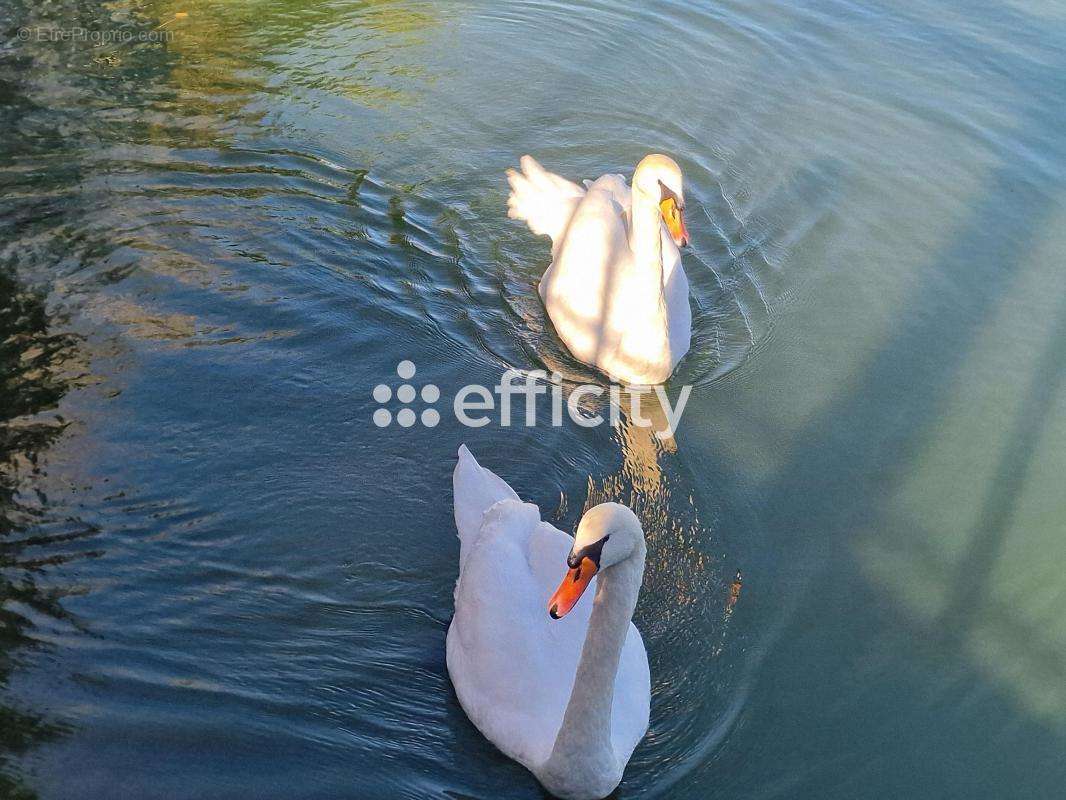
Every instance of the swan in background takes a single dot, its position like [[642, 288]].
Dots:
[[615, 291], [560, 686]]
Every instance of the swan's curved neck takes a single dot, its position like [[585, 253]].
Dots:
[[584, 738], [645, 235]]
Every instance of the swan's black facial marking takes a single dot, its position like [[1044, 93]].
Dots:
[[666, 193], [592, 552]]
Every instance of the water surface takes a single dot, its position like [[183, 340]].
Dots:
[[219, 579]]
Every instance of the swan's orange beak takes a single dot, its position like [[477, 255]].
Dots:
[[675, 221], [573, 586]]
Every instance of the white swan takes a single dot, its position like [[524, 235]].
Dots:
[[558, 685], [615, 290]]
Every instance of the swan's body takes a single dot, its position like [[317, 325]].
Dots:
[[567, 698], [615, 291]]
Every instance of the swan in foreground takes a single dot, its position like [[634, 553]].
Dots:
[[560, 686], [615, 290]]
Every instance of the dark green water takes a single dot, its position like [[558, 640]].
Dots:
[[219, 579]]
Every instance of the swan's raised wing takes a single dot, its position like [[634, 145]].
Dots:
[[475, 490], [545, 201]]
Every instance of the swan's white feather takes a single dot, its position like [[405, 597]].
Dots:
[[513, 666]]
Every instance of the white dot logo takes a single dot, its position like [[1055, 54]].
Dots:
[[406, 395]]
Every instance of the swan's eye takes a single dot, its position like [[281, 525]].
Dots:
[[593, 552]]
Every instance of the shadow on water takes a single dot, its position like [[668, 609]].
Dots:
[[937, 720], [969, 594]]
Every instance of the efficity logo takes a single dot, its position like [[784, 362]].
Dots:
[[520, 395]]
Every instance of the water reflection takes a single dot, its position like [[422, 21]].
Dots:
[[38, 366], [146, 191], [52, 111], [689, 595]]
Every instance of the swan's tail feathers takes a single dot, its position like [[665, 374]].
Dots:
[[475, 490], [544, 200]]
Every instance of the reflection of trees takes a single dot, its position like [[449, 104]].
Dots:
[[86, 126], [225, 52], [45, 107], [34, 364]]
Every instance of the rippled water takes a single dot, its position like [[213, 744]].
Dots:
[[219, 579]]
